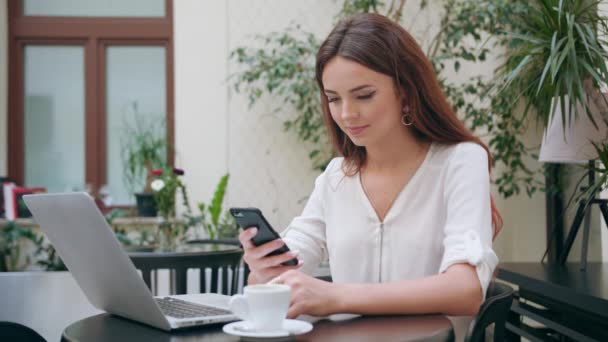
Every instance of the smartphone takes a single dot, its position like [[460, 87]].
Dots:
[[252, 217]]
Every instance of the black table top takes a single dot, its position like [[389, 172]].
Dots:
[[586, 290], [105, 327], [206, 247]]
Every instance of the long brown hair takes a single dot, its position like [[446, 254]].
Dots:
[[380, 44]]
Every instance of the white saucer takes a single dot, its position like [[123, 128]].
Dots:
[[290, 327]]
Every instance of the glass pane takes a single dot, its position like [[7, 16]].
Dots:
[[95, 8], [136, 100], [54, 120]]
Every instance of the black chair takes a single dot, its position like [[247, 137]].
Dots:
[[179, 263], [234, 242], [494, 309], [10, 331]]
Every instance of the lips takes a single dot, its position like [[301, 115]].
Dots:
[[356, 130]]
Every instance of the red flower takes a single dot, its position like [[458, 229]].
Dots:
[[157, 172], [178, 172]]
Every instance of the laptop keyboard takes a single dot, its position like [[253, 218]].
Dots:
[[181, 309]]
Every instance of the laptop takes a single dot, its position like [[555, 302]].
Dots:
[[88, 247]]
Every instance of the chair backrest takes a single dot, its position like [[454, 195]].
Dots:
[[495, 309], [11, 331], [225, 260], [231, 262]]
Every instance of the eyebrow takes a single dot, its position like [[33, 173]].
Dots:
[[352, 90]]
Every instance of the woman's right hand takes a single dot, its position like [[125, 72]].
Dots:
[[264, 268]]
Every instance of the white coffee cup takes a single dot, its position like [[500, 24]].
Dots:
[[263, 306]]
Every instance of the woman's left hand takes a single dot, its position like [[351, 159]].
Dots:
[[310, 295]]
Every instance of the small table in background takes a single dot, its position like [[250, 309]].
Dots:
[[573, 303]]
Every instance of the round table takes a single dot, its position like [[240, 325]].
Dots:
[[105, 327]]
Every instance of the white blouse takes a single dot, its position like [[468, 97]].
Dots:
[[440, 218]]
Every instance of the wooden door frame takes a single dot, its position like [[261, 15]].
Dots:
[[91, 33]]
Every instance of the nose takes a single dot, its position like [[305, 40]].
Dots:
[[349, 111]]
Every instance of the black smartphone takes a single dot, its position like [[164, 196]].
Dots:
[[252, 217]]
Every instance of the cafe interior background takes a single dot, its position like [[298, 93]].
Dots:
[[192, 75]]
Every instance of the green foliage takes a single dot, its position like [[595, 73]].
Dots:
[[13, 235], [51, 260], [215, 208], [113, 214], [352, 7], [284, 68], [11, 238], [165, 196], [121, 234], [217, 223], [469, 31], [143, 149], [557, 52]]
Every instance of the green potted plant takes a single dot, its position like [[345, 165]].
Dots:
[[144, 149], [165, 187], [218, 223], [557, 66], [11, 237], [557, 59]]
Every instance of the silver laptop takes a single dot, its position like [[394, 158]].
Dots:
[[104, 272]]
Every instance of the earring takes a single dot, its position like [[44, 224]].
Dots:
[[406, 118]]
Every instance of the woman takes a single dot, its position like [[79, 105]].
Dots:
[[405, 217]]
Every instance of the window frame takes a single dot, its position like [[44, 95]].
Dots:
[[94, 34]]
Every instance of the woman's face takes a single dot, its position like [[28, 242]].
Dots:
[[363, 103]]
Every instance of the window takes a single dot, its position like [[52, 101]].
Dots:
[[77, 74]]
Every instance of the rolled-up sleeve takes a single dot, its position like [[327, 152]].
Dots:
[[468, 228], [306, 233]]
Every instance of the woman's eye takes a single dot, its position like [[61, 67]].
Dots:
[[332, 99], [366, 96]]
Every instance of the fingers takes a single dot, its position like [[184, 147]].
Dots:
[[295, 311], [277, 260], [269, 274], [265, 267], [284, 269], [257, 251], [265, 249], [266, 274], [245, 237], [280, 270], [255, 256]]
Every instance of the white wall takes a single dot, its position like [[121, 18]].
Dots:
[[201, 136], [524, 233], [270, 167], [216, 131], [3, 87]]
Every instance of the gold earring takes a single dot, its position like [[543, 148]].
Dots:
[[406, 118]]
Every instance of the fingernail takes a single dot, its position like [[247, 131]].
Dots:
[[254, 231]]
